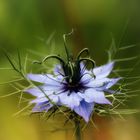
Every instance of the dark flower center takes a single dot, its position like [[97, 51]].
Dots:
[[79, 87]]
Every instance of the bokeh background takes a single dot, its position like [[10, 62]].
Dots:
[[36, 27]]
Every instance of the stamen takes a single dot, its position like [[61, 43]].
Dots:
[[51, 56], [88, 59], [66, 49], [71, 69], [85, 50]]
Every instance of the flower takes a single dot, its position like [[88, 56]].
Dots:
[[74, 86]]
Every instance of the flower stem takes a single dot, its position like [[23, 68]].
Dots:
[[77, 130]]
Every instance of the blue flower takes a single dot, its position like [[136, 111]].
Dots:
[[74, 86]]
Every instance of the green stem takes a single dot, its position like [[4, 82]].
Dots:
[[77, 130]]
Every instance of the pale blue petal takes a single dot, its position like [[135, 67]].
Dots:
[[91, 95], [102, 84], [39, 100], [39, 107], [82, 66], [108, 84], [42, 91], [37, 77], [96, 83], [83, 69], [48, 79], [86, 78], [58, 70], [71, 100], [112, 82], [110, 91], [52, 95], [47, 88], [35, 92], [103, 71], [54, 98], [84, 110], [43, 95]]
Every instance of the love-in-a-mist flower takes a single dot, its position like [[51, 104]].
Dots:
[[73, 85]]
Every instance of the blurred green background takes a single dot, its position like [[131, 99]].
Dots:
[[36, 28]]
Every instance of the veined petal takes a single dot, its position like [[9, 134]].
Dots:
[[39, 107], [71, 100], [53, 98], [51, 95], [96, 83], [42, 91], [86, 78], [37, 77], [83, 69], [39, 100], [102, 84], [112, 82], [110, 91], [43, 95], [58, 70], [108, 84], [55, 89], [35, 92], [84, 110], [48, 79], [103, 71], [91, 95]]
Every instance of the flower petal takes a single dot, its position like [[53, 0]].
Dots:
[[103, 71], [112, 82], [43, 91], [108, 84], [110, 91], [71, 100], [39, 100], [83, 69], [55, 89], [86, 78], [91, 95], [48, 79], [39, 107], [102, 84], [84, 110], [35, 92], [37, 77], [42, 95], [58, 70]]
